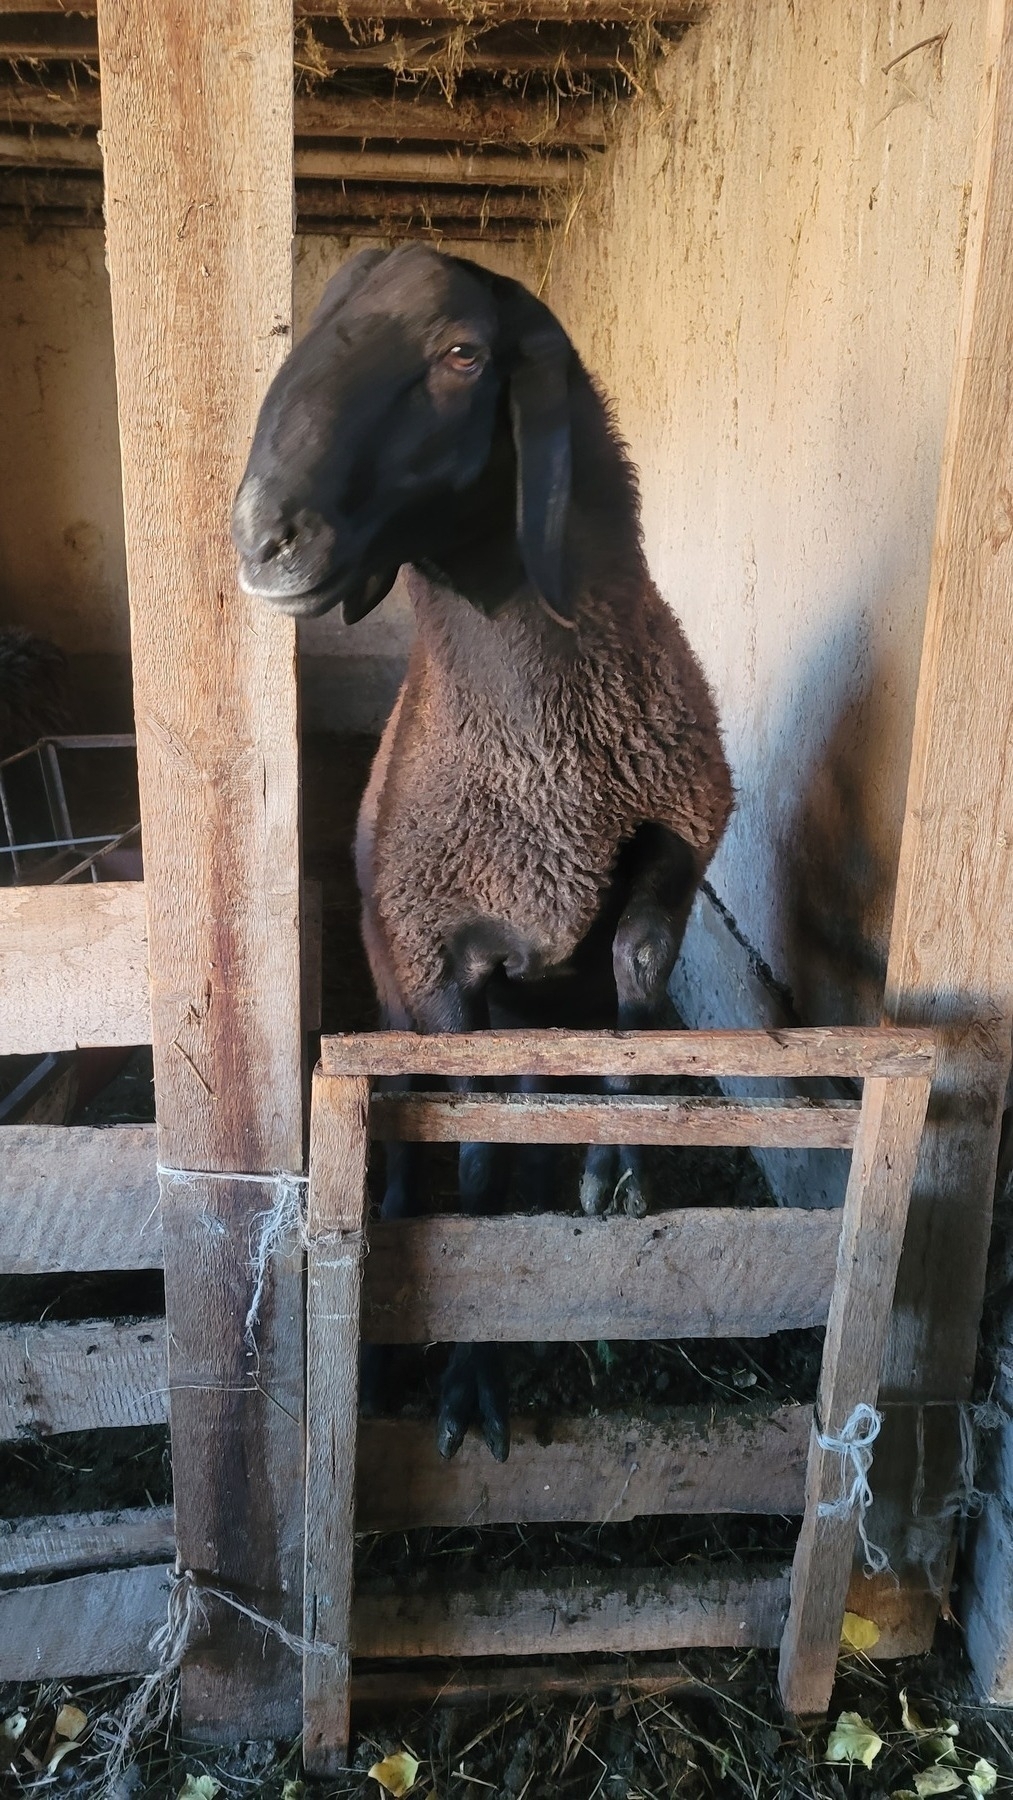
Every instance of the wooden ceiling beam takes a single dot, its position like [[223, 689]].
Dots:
[[442, 167], [42, 190], [572, 12], [326, 47], [514, 120]]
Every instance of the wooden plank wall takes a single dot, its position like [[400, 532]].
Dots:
[[197, 138], [950, 964]]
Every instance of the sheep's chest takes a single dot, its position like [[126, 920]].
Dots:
[[517, 824]]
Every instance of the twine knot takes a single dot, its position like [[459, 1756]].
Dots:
[[853, 1444]]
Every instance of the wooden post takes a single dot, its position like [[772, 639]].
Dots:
[[335, 1229], [875, 1213], [950, 964], [197, 137]]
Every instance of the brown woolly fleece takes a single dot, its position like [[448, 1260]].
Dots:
[[518, 758]]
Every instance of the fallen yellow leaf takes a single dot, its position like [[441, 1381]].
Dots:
[[858, 1633], [937, 1781], [983, 1777], [397, 1773], [70, 1722], [853, 1740]]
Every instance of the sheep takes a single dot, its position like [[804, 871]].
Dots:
[[551, 784]]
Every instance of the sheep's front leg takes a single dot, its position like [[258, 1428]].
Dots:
[[473, 1390], [644, 952]]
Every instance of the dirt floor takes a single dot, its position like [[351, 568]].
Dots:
[[714, 1724]]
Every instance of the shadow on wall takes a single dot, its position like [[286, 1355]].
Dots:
[[839, 881]]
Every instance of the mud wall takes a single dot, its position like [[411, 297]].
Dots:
[[765, 274], [62, 563]]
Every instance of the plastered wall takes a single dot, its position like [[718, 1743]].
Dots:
[[62, 564], [766, 276]]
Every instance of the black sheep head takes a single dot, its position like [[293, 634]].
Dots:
[[427, 401]]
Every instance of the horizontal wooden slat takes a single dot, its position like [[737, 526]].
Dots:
[[666, 12], [101, 1624], [322, 163], [73, 967], [77, 1197], [747, 1459], [63, 1542], [81, 1376], [495, 119], [84, 1625], [849, 1052], [519, 1616], [714, 1272], [619, 1119]]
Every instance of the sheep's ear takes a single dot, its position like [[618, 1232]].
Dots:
[[540, 415], [350, 276]]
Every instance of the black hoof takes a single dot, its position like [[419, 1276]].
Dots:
[[473, 1391]]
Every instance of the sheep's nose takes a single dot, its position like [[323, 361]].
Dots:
[[261, 529]]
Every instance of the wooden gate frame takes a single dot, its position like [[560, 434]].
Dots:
[[688, 1273]]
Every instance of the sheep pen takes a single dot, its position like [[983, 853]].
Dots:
[[781, 243]]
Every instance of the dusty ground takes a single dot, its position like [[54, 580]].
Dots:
[[719, 1732]]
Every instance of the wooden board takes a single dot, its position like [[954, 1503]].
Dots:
[[847, 1052], [78, 1197], [735, 1459], [237, 1454], [101, 1624], [62, 1542], [197, 141], [708, 1272], [667, 12], [73, 967], [949, 963], [618, 1119], [335, 1230], [494, 119], [519, 1616], [80, 1377], [84, 1625], [875, 1215]]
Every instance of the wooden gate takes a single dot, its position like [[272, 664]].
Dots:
[[693, 1272]]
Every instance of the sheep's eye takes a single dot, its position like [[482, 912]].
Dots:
[[464, 359]]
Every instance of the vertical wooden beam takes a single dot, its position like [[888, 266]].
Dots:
[[336, 1216], [872, 1231], [951, 948], [197, 136]]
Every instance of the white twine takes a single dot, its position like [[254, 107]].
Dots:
[[268, 1230], [853, 1445], [186, 1617], [284, 1220]]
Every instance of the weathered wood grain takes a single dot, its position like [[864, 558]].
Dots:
[[60, 1543], [78, 1197], [73, 967], [78, 1377], [707, 1272], [617, 1119], [875, 1215], [237, 1454], [519, 1616], [197, 141], [949, 965], [737, 1459], [845, 1051], [336, 1238], [83, 1625]]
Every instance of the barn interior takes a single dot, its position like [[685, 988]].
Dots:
[[753, 222]]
